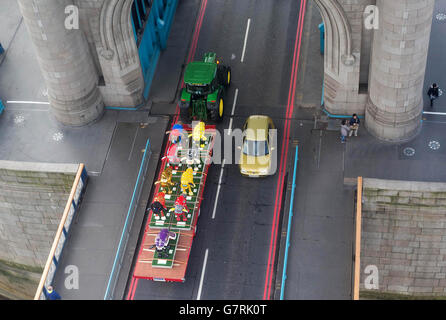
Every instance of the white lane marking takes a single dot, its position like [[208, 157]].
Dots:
[[235, 102], [200, 287], [435, 113], [133, 144], [27, 102], [246, 39], [218, 189], [233, 111], [29, 109]]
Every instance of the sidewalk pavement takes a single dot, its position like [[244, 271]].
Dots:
[[435, 61], [95, 234]]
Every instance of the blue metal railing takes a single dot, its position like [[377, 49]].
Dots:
[[290, 218], [128, 223]]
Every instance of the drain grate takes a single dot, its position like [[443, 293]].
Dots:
[[441, 16]]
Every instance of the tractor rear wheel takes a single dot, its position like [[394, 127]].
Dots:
[[216, 115]]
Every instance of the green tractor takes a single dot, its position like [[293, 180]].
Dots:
[[205, 85]]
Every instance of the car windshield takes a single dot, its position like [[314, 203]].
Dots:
[[198, 89], [255, 148]]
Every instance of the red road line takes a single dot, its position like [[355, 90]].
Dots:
[[279, 181], [131, 287], [193, 47], [288, 134], [134, 284], [284, 154], [134, 290], [197, 31]]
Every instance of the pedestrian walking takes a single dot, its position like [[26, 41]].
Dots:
[[52, 294], [354, 125], [433, 93], [344, 130], [1, 49]]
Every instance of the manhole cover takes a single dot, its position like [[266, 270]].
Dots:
[[441, 16], [434, 145], [58, 136], [409, 152]]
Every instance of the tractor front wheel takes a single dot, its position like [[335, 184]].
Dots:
[[228, 77]]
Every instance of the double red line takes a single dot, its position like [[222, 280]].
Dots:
[[284, 153], [191, 55], [193, 46]]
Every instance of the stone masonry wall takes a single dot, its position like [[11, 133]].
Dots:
[[404, 236], [32, 200]]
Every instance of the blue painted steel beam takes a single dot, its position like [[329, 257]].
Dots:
[[157, 21]]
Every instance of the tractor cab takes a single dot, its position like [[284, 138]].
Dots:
[[205, 85]]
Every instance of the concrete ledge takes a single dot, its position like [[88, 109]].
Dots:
[[415, 186], [67, 168]]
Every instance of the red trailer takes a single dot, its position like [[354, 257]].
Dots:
[[172, 265]]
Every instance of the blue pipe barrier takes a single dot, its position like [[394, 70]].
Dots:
[[323, 89], [128, 222], [123, 108], [335, 116], [290, 218]]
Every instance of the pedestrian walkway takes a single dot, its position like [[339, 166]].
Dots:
[[96, 232]]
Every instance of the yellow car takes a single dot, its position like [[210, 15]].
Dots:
[[255, 155]]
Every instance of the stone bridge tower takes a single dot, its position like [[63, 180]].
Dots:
[[377, 73], [90, 66], [65, 61]]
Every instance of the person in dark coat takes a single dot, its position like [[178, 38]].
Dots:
[[433, 93], [354, 125], [52, 294]]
